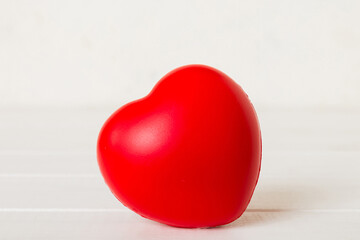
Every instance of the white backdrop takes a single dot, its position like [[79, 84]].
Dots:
[[94, 53]]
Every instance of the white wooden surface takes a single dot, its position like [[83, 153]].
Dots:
[[51, 188]]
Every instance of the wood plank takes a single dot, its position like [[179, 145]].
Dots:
[[310, 130], [50, 130], [127, 225], [275, 164], [48, 164], [52, 173], [56, 192], [62, 191], [76, 130], [309, 186]]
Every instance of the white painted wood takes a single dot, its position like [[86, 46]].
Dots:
[[28, 164], [275, 164], [310, 130], [50, 185], [127, 225], [54, 131], [88, 191]]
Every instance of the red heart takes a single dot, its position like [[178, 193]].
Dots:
[[188, 154]]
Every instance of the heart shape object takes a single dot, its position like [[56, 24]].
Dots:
[[188, 154]]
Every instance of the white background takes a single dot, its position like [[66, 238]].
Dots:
[[65, 66], [94, 53]]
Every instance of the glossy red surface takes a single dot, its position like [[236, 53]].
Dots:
[[188, 154]]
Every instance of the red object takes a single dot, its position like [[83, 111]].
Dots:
[[188, 154]]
